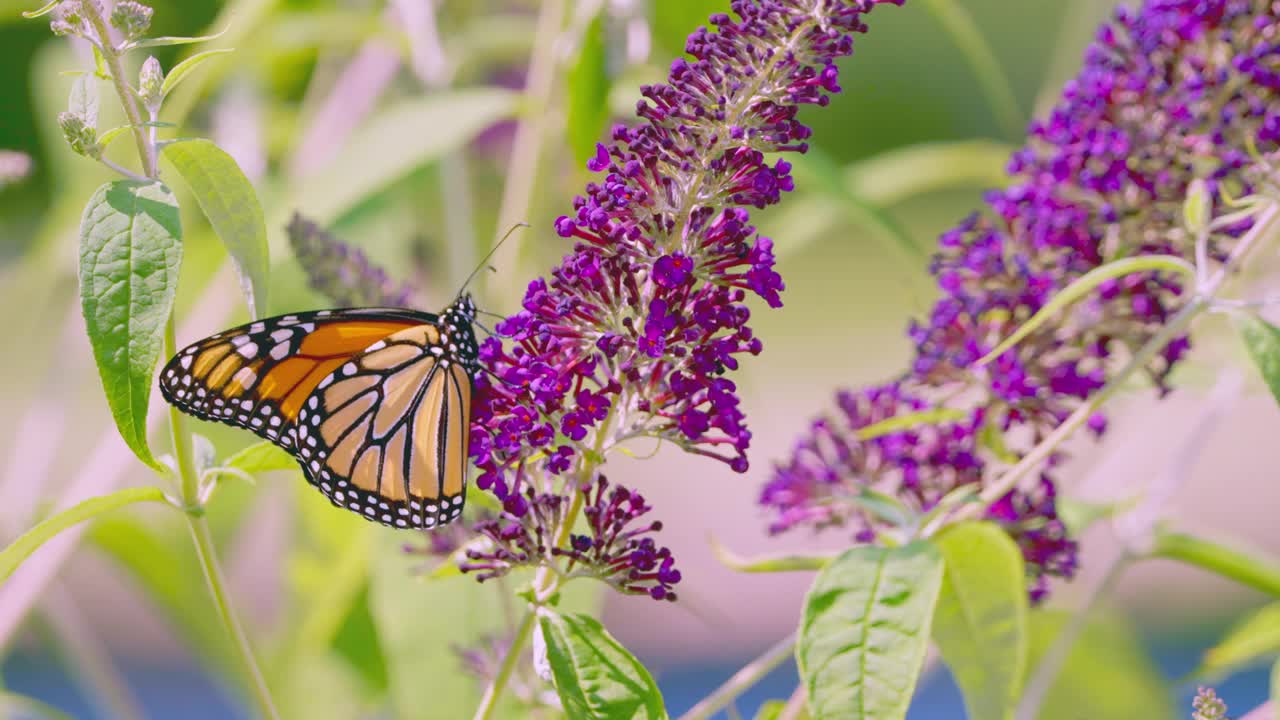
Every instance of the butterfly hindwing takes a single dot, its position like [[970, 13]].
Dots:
[[385, 435], [258, 375]]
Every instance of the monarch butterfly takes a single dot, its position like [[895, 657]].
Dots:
[[374, 403]]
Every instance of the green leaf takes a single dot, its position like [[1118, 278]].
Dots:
[[229, 201], [1127, 685], [588, 93], [865, 631], [130, 252], [184, 68], [1086, 284], [48, 8], [20, 707], [906, 421], [980, 624], [83, 100], [772, 710], [1263, 341], [1253, 639], [262, 457], [13, 555], [397, 141], [768, 563], [596, 678], [357, 641], [173, 40]]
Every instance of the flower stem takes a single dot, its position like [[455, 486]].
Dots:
[[1228, 562], [94, 12], [206, 552], [749, 675], [490, 699]]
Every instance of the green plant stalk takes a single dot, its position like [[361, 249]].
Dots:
[[995, 84], [1219, 559], [207, 553], [491, 693], [146, 150], [742, 680]]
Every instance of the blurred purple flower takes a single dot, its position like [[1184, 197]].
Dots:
[[341, 272], [1171, 93]]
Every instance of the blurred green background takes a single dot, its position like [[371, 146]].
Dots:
[[338, 109]]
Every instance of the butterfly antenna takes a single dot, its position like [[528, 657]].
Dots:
[[485, 260]]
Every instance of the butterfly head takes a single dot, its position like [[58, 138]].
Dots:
[[463, 307]]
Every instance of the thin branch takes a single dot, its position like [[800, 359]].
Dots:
[[741, 681]]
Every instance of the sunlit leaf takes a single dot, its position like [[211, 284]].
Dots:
[[231, 205], [262, 457], [595, 676], [980, 624], [83, 99], [48, 8], [130, 252], [1263, 341], [781, 562], [174, 40], [30, 541], [865, 630], [184, 68], [1127, 686], [1253, 639], [587, 83]]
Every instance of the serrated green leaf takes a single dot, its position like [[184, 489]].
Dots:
[[1086, 284], [595, 676], [130, 252], [1263, 342], [398, 140], [48, 8], [980, 624], [106, 138], [231, 205], [1255, 638], [1127, 685], [30, 541], [83, 100], [587, 108], [184, 68], [262, 457], [172, 40], [865, 630]]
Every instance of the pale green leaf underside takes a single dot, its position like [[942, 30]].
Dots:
[[980, 625], [130, 253], [865, 631], [262, 457], [230, 203], [597, 678]]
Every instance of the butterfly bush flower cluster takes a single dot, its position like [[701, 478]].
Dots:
[[633, 334], [342, 272], [1174, 93]]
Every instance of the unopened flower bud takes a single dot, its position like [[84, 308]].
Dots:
[[131, 18], [150, 80], [80, 135]]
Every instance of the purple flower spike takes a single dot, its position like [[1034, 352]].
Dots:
[[633, 333], [341, 272], [1176, 92]]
